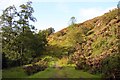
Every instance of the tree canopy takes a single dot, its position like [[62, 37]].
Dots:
[[20, 41], [72, 20]]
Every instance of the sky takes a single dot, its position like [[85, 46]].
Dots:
[[57, 13]]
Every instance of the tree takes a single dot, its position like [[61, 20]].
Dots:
[[17, 33], [72, 20], [25, 16], [7, 23], [49, 31], [8, 27]]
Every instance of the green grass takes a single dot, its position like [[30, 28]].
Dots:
[[66, 72], [16, 72]]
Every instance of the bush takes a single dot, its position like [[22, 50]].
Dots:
[[81, 64], [48, 58], [35, 67], [111, 66]]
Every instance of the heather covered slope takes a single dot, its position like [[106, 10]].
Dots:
[[96, 35], [91, 44]]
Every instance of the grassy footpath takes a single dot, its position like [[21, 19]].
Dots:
[[66, 72]]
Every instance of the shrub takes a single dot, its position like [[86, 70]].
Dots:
[[48, 58], [111, 66], [35, 67], [81, 64]]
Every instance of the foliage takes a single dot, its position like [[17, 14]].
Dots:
[[107, 17], [35, 67], [84, 30], [49, 31], [62, 62], [72, 20], [20, 42], [50, 60], [111, 66], [81, 64]]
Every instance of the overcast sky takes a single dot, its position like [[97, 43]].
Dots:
[[57, 13]]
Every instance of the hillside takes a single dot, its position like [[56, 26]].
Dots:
[[95, 36], [91, 41]]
